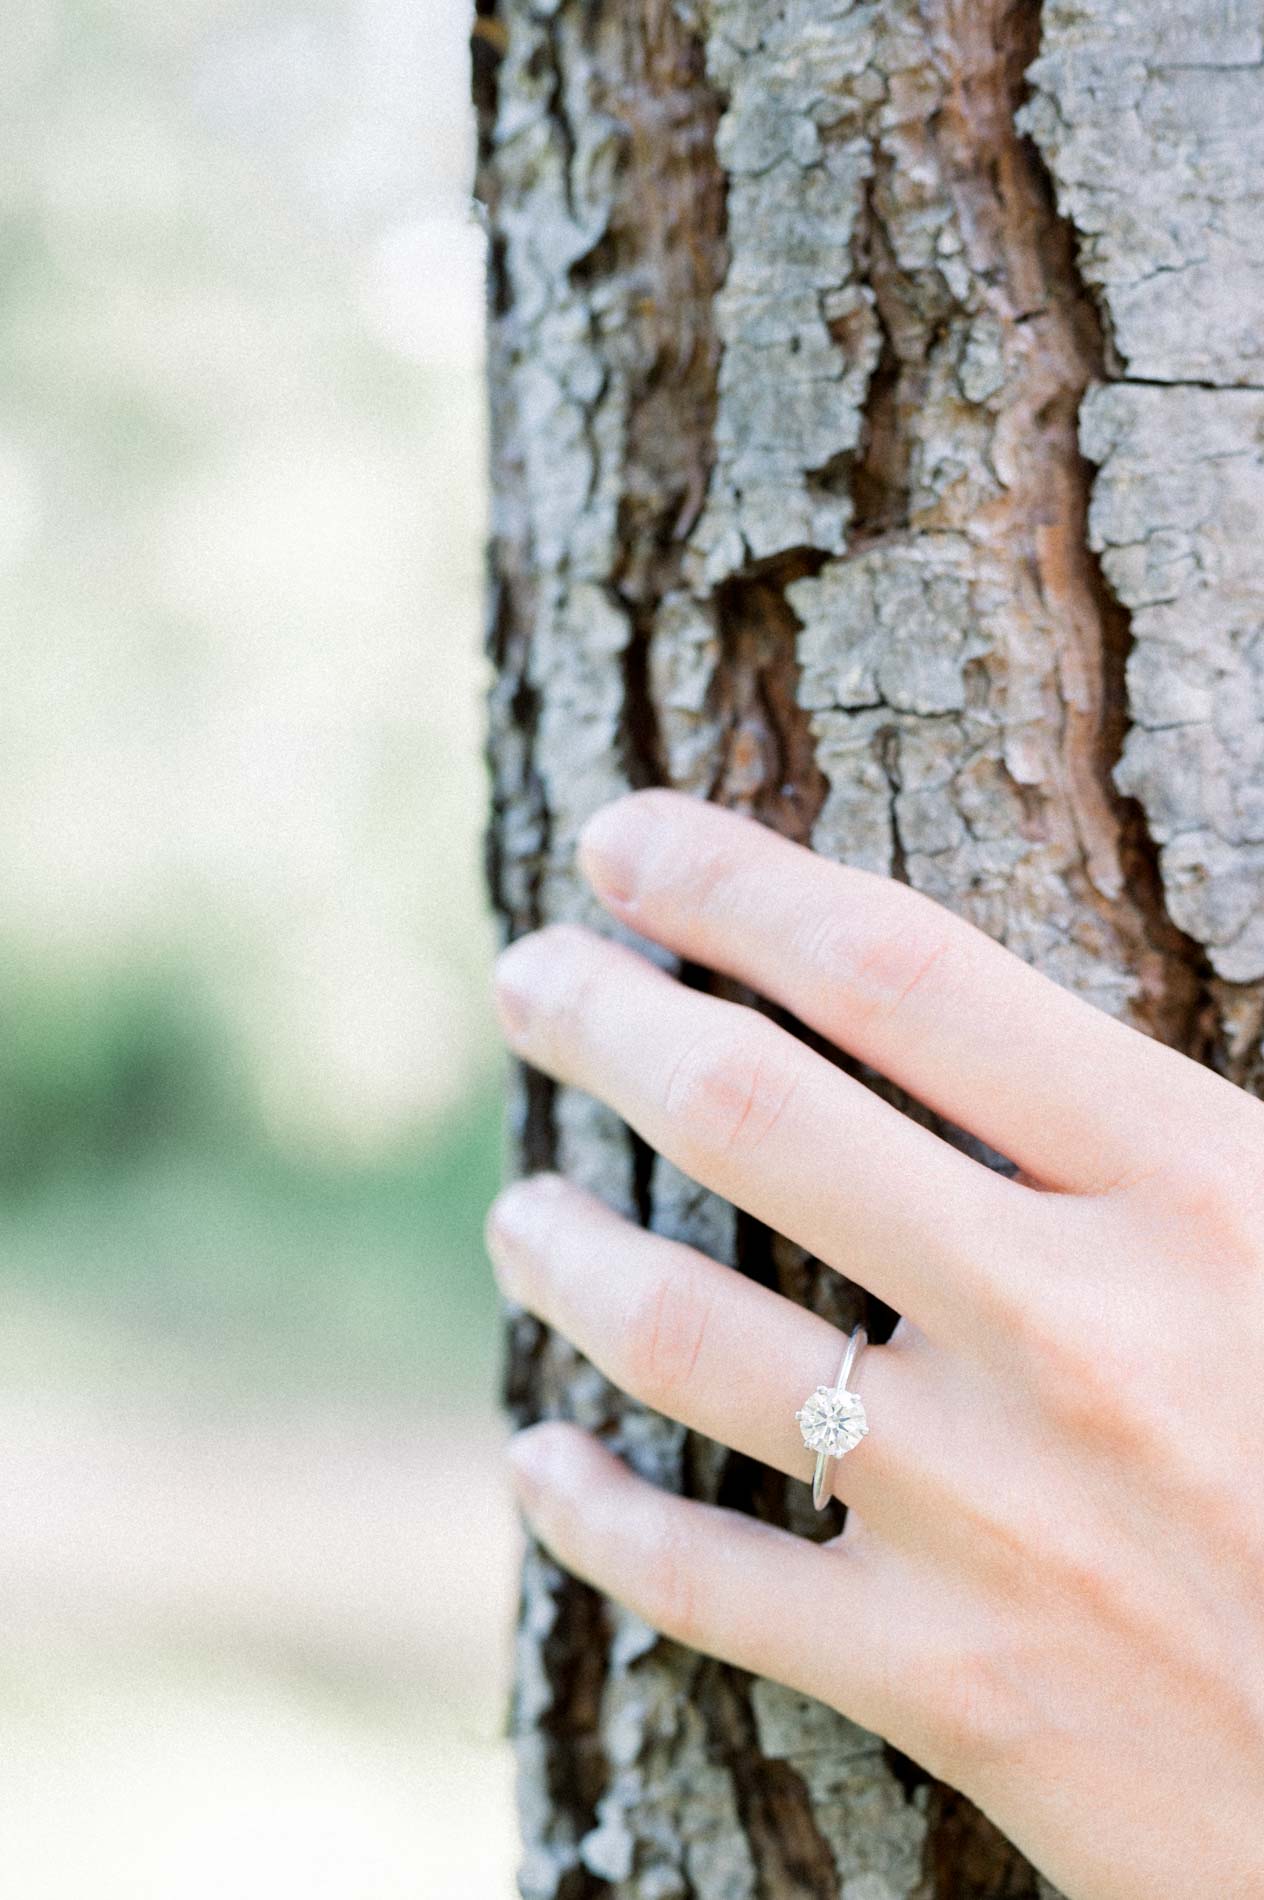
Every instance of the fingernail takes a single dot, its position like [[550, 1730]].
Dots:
[[516, 1229], [523, 1211], [614, 843], [516, 979], [531, 1461]]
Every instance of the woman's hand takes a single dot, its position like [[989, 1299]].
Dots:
[[1050, 1589]]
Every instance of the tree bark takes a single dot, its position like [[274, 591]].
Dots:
[[878, 399]]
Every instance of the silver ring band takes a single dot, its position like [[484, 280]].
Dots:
[[832, 1419]]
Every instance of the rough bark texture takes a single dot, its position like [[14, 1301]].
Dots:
[[878, 403]]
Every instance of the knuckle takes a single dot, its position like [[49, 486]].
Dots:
[[1212, 1205], [728, 1088], [664, 1340], [1084, 1579], [1101, 1384], [1202, 1191], [898, 966], [974, 1712], [884, 961]]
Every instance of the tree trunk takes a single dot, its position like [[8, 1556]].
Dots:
[[878, 392]]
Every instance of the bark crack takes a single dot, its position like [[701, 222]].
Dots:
[[881, 468], [888, 747], [792, 1858], [1176, 972], [766, 763]]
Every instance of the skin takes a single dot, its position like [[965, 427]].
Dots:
[[1050, 1588]]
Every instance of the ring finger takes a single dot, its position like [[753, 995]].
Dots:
[[708, 1347]]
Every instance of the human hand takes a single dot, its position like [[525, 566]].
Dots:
[[1050, 1588]]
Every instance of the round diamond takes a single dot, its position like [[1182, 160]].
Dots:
[[832, 1422]]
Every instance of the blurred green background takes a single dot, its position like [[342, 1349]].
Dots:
[[256, 1557]]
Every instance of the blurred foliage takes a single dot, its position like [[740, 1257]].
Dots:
[[96, 1075], [249, 1083], [136, 1181], [248, 1117]]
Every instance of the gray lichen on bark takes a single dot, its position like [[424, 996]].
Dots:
[[1176, 512], [1149, 119], [1152, 125], [798, 368]]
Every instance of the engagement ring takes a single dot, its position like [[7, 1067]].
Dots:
[[833, 1420]]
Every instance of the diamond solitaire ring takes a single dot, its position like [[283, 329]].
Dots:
[[833, 1420]]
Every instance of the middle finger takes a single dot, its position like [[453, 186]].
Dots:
[[758, 1117]]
